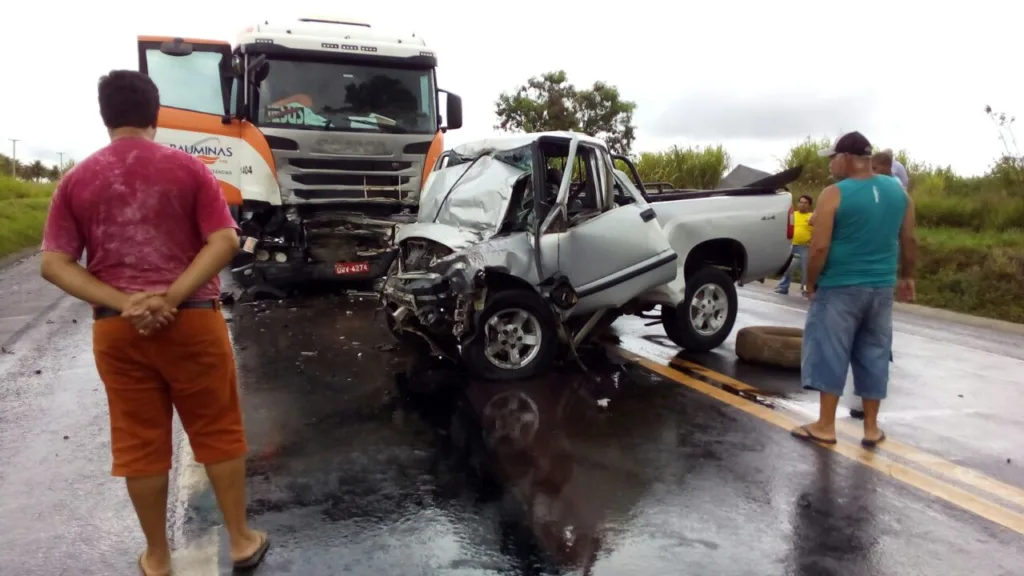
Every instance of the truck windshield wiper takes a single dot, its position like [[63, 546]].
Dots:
[[383, 127], [373, 120]]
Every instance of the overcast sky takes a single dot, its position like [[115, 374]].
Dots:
[[754, 76]]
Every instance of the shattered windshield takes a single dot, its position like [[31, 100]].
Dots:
[[521, 157], [345, 97], [472, 196]]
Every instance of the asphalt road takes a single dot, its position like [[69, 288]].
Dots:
[[368, 461]]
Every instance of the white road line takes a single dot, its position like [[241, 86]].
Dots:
[[200, 556]]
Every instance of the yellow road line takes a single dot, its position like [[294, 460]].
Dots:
[[923, 459], [928, 484]]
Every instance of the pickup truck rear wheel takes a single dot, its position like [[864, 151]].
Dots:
[[516, 337], [705, 317]]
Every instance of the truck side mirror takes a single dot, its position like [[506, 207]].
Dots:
[[453, 110]]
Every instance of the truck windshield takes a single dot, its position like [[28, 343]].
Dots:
[[345, 97]]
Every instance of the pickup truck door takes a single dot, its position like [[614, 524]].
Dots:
[[198, 104], [610, 253]]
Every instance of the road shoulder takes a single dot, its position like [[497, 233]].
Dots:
[[24, 298]]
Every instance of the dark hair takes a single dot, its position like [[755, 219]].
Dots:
[[854, 144], [128, 99], [810, 199]]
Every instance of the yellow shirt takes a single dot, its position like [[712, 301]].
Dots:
[[801, 228]]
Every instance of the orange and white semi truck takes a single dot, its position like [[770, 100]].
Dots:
[[321, 131]]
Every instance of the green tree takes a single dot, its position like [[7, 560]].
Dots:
[[36, 171], [21, 170], [550, 102]]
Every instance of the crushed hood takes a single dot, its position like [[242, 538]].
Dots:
[[471, 197]]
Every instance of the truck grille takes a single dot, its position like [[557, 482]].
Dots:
[[348, 194], [359, 165], [361, 180], [309, 170], [349, 179]]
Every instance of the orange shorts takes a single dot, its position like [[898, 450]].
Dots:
[[188, 366]]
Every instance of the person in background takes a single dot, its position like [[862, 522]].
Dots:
[[802, 229], [885, 162], [157, 230], [863, 246]]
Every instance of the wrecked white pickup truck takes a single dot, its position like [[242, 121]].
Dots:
[[528, 244]]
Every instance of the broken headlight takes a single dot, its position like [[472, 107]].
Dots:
[[459, 276]]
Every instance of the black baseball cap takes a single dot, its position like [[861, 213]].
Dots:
[[853, 143]]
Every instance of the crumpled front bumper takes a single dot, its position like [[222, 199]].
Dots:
[[417, 290], [438, 303]]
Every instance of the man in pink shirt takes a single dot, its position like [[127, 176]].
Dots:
[[157, 231]]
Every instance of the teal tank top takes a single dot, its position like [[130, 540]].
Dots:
[[866, 235]]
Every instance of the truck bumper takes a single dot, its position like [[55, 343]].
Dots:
[[298, 271]]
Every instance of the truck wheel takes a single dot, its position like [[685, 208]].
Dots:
[[516, 337], [704, 319]]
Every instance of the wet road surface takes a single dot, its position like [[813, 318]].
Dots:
[[367, 461], [954, 390]]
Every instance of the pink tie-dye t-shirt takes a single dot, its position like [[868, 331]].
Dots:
[[141, 211]]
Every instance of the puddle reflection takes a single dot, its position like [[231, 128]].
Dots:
[[515, 439]]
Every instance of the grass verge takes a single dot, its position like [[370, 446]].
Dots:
[[23, 208], [977, 273]]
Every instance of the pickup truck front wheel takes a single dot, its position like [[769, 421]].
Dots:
[[705, 317], [516, 337]]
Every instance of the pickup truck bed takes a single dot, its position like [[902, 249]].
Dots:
[[684, 194]]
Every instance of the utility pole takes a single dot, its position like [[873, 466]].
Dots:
[[14, 157], [60, 167]]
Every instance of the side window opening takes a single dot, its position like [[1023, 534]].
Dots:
[[583, 202], [190, 82]]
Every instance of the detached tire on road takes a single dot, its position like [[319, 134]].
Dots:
[[770, 345], [705, 317], [516, 337]]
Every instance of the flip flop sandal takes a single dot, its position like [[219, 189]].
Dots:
[[254, 560], [872, 443], [142, 568], [804, 434]]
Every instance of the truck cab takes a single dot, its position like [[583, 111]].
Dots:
[[321, 132]]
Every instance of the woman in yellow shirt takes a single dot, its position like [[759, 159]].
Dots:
[[802, 229]]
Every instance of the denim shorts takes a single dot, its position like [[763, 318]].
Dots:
[[846, 327]]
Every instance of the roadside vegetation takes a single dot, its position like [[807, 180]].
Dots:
[[24, 201], [970, 229], [22, 212]]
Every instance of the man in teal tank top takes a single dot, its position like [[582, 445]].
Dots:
[[863, 249]]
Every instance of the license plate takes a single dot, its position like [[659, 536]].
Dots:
[[250, 244], [343, 268]]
